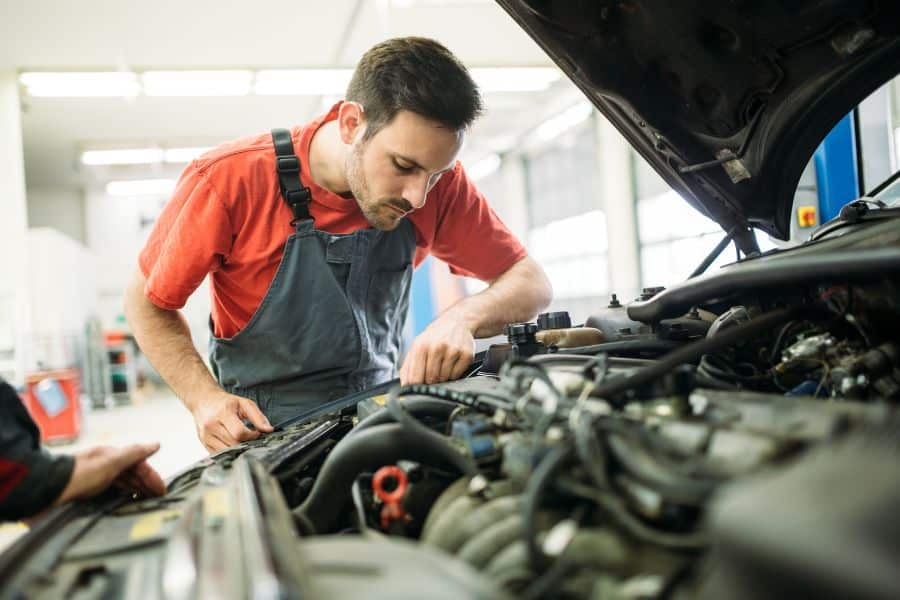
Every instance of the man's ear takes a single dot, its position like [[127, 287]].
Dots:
[[351, 120]]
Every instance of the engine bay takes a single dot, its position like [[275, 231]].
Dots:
[[735, 447]]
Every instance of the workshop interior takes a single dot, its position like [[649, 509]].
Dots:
[[706, 409]]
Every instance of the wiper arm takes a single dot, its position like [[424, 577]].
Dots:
[[863, 209]]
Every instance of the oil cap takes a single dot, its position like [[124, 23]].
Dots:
[[521, 333], [554, 320]]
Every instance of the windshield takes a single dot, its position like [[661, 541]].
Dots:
[[890, 195]]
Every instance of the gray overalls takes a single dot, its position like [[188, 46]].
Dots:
[[332, 319]]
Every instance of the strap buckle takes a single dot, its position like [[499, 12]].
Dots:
[[296, 197], [288, 164]]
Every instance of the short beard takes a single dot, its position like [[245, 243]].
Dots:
[[359, 187]]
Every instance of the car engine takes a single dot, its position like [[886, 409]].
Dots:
[[608, 470]]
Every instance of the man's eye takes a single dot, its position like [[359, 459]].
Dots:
[[402, 168]]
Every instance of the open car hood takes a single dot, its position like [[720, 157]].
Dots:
[[726, 100]]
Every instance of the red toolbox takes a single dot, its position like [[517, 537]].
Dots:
[[54, 400]]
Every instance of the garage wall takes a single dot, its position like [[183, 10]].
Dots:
[[61, 209], [117, 229]]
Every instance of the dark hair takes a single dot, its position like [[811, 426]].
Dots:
[[415, 74]]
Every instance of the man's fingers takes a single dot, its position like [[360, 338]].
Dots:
[[149, 479], [462, 363], [415, 373], [450, 364], [131, 455], [436, 358], [249, 410], [214, 443], [236, 428]]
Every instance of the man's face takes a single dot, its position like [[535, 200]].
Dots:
[[391, 174]]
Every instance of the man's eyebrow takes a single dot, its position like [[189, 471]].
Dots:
[[418, 166], [409, 160]]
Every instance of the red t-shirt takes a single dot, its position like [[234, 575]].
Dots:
[[227, 218]]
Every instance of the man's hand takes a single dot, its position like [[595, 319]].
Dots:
[[220, 420], [442, 352], [127, 468]]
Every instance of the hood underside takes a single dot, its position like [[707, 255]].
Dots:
[[726, 100]]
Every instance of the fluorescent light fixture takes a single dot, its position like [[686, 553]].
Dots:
[[132, 156], [141, 187], [564, 121], [197, 83], [515, 79], [484, 167], [302, 82], [141, 156], [75, 85], [184, 155]]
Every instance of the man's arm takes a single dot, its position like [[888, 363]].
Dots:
[[446, 348], [164, 337], [32, 480]]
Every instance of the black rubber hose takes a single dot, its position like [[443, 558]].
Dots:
[[417, 407], [639, 463], [366, 451], [555, 460], [638, 348], [617, 512], [616, 385]]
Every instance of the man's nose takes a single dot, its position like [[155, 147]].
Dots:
[[416, 192]]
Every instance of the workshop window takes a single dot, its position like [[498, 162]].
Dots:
[[567, 230], [674, 237]]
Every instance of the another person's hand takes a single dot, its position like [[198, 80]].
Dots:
[[127, 468], [220, 420], [440, 353]]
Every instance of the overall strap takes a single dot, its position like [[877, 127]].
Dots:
[[288, 165]]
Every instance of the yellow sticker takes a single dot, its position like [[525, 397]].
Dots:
[[380, 400], [150, 525], [215, 503], [806, 216]]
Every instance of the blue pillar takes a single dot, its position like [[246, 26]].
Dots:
[[837, 170], [421, 297]]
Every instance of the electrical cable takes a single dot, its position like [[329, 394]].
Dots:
[[531, 498], [618, 513], [693, 351]]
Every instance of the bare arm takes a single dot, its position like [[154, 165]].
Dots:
[[446, 348], [164, 337]]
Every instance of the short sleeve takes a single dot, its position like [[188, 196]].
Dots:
[[469, 236], [191, 238]]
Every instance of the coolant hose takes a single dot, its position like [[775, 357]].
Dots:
[[368, 450], [417, 407]]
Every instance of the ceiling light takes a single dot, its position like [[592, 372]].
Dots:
[[184, 155], [197, 83], [515, 79], [484, 167], [91, 84], [133, 156], [302, 82], [564, 121], [141, 187]]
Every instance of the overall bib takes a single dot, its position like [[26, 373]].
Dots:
[[331, 321]]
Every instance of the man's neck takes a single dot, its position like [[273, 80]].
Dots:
[[326, 159]]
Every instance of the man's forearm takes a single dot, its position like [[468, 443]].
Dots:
[[165, 338], [517, 295]]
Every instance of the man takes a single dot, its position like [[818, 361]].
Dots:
[[310, 277], [32, 480]]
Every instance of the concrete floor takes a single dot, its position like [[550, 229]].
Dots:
[[153, 416]]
